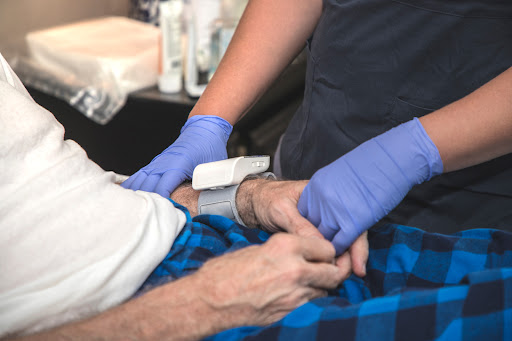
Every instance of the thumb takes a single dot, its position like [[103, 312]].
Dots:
[[300, 226]]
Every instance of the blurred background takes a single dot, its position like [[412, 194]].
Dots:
[[148, 120]]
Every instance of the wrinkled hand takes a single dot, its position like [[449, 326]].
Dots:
[[274, 205], [260, 284], [358, 253], [203, 139], [348, 196]]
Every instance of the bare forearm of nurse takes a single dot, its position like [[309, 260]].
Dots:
[[476, 128], [270, 34], [379, 173]]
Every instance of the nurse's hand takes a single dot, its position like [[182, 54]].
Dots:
[[272, 206], [348, 196], [203, 139]]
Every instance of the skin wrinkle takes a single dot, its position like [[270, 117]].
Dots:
[[256, 285]]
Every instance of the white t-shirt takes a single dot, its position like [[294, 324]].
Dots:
[[72, 242]]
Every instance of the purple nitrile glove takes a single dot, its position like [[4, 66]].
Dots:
[[203, 139], [348, 196]]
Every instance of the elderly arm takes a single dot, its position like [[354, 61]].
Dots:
[[253, 286], [272, 206], [269, 205]]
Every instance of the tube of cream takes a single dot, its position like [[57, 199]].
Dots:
[[171, 70]]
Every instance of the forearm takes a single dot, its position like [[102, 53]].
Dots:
[[256, 285], [476, 128], [247, 192], [270, 34], [170, 312]]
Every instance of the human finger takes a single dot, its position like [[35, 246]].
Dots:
[[324, 276], [305, 295], [344, 264], [300, 226], [150, 182], [168, 183], [343, 240], [126, 184], [317, 250], [359, 254], [134, 181], [327, 231], [310, 293]]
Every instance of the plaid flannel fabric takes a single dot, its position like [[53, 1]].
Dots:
[[419, 286]]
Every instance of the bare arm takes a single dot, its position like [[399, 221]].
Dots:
[[254, 286], [476, 128], [270, 34], [257, 285], [266, 204], [272, 206]]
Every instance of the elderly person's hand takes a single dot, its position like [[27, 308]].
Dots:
[[260, 284], [272, 206]]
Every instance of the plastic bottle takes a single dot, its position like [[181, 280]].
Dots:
[[171, 69], [199, 15], [223, 29]]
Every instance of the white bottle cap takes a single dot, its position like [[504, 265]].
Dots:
[[169, 84]]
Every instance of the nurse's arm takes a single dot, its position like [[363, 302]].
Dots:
[[476, 128], [270, 34]]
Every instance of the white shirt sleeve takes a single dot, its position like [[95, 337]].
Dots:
[[72, 242]]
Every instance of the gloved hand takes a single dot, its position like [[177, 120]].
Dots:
[[203, 139], [348, 196]]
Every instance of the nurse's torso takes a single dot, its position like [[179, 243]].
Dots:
[[374, 64]]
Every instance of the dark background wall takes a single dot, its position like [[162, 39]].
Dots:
[[150, 122]]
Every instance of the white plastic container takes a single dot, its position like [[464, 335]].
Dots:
[[171, 69], [199, 17]]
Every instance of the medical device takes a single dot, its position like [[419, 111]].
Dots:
[[220, 180], [219, 174]]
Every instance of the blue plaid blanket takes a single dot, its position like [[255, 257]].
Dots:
[[419, 285]]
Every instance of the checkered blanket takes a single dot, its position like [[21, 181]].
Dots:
[[419, 286]]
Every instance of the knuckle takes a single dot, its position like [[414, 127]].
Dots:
[[329, 248], [284, 242], [296, 272]]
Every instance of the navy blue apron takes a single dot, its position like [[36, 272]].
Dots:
[[373, 64]]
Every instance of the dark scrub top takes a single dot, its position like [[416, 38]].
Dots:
[[373, 64]]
